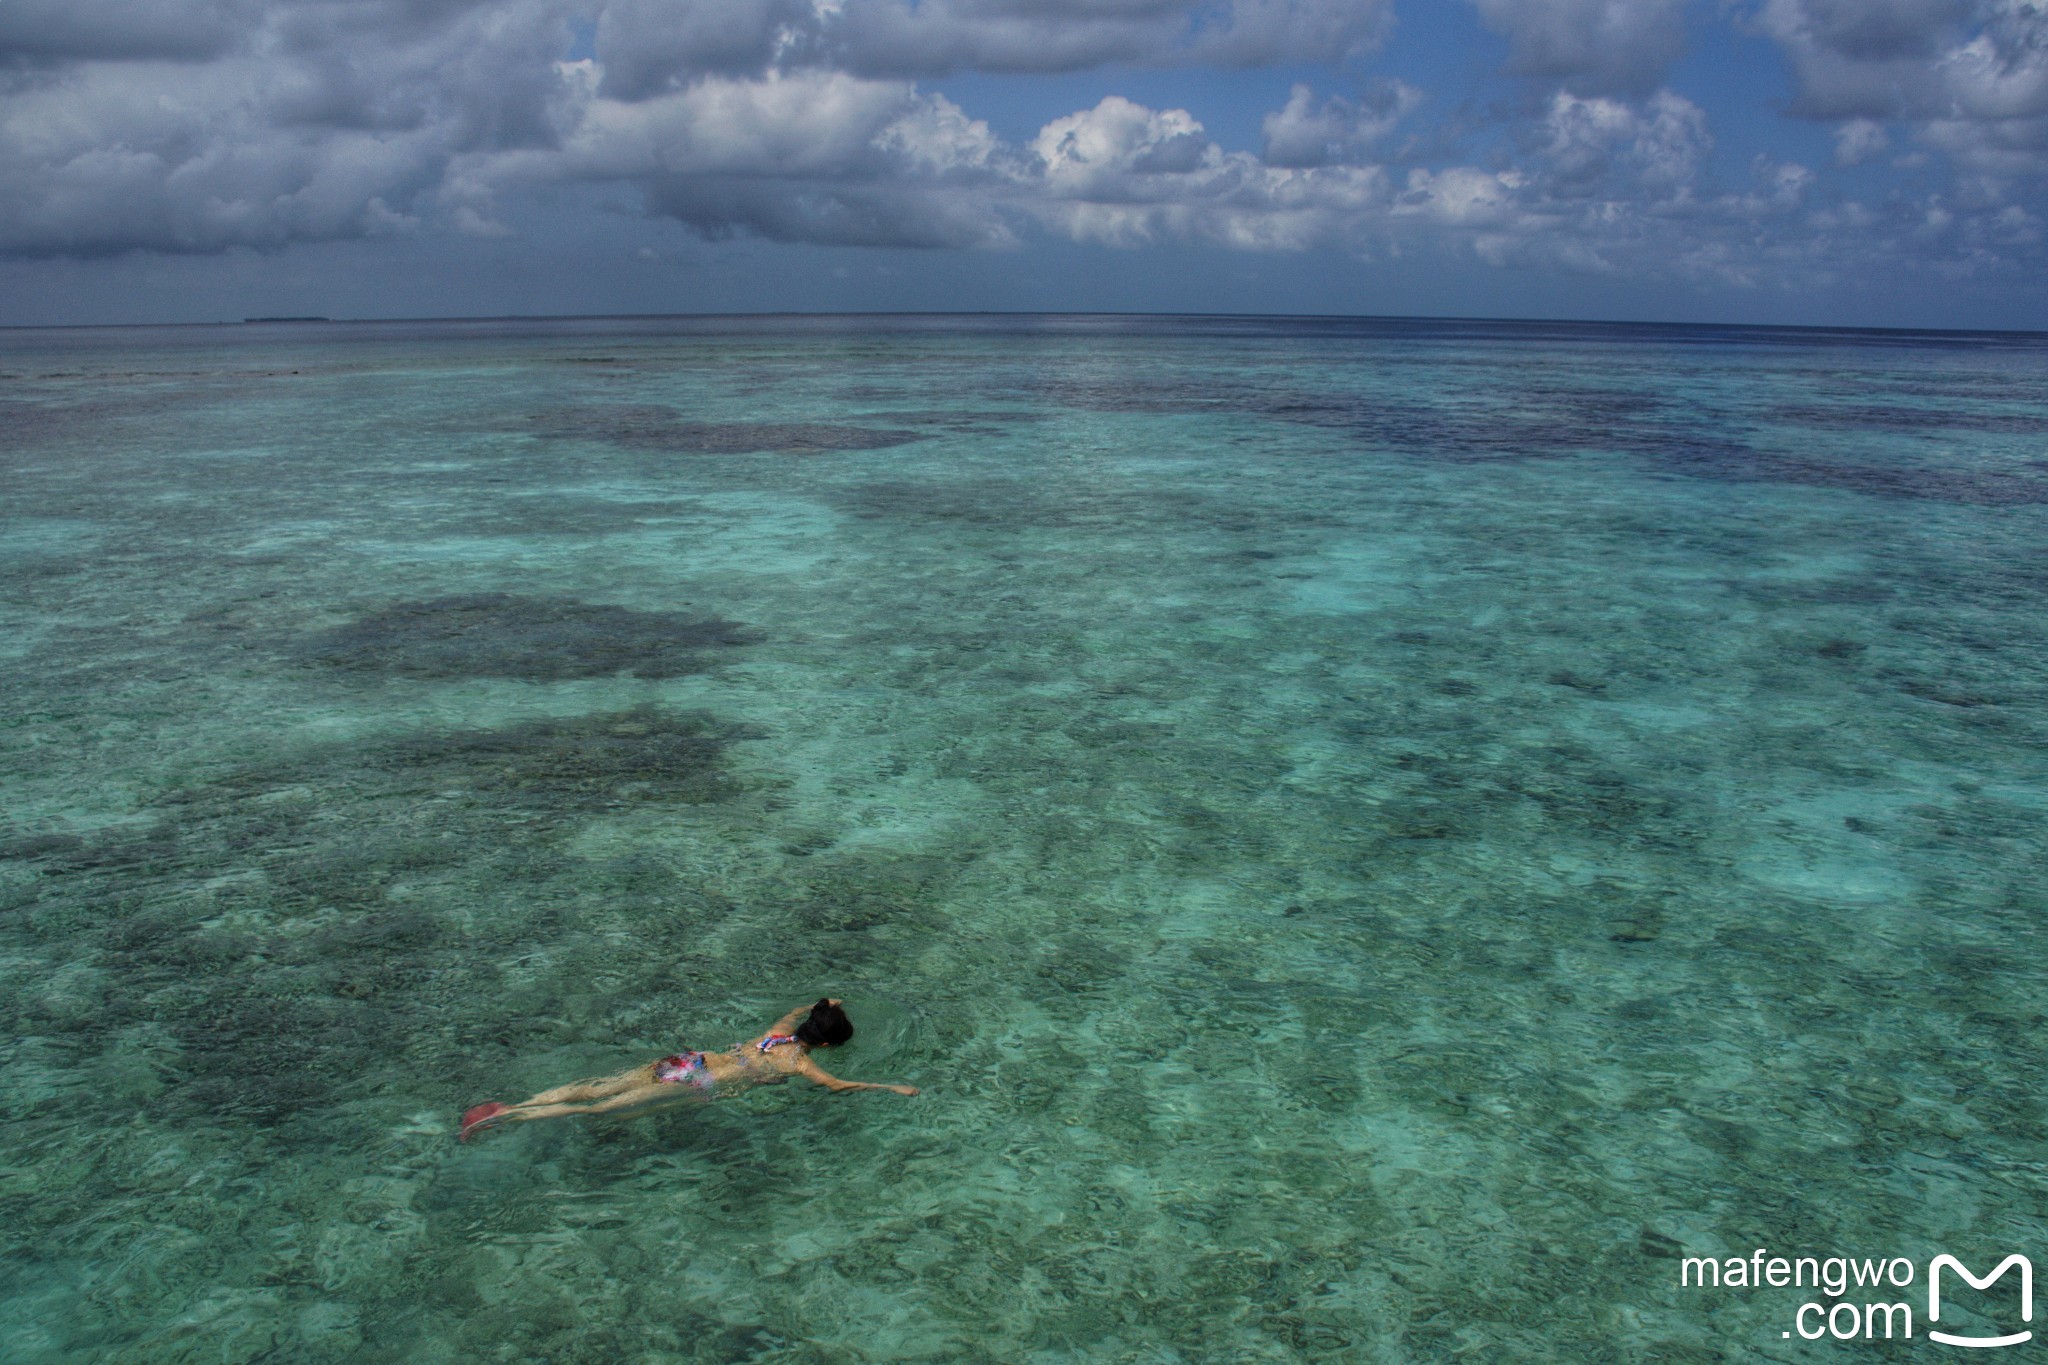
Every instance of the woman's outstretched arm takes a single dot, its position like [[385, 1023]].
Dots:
[[811, 1071]]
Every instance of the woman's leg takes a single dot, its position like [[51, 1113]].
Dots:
[[583, 1091], [535, 1109], [583, 1097]]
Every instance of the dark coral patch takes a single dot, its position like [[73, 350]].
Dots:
[[1964, 486], [337, 826], [540, 639], [307, 933], [656, 428], [554, 767], [1896, 417], [119, 850], [1946, 694], [265, 1059], [1734, 462], [41, 847], [1539, 423], [580, 763], [1552, 422]]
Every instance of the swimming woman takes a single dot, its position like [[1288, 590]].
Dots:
[[783, 1051]]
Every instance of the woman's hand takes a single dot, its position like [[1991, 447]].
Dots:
[[902, 1089]]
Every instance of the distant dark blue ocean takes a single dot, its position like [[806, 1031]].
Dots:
[[1377, 839]]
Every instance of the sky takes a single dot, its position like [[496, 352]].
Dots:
[[1831, 162]]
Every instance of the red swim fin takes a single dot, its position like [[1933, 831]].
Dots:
[[479, 1116]]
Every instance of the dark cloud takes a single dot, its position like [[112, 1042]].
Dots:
[[648, 47], [933, 37], [47, 32], [1870, 30], [1969, 76], [1591, 47], [1908, 58], [827, 214]]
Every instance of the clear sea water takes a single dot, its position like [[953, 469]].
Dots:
[[1375, 838]]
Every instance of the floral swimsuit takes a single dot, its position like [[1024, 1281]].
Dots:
[[683, 1068], [689, 1068]]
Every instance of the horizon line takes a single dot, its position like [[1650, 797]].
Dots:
[[309, 320]]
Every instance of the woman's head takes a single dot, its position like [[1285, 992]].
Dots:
[[825, 1026]]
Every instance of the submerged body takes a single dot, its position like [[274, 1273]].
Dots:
[[780, 1053]]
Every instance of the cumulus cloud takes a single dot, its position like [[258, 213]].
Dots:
[[1970, 75], [812, 156], [105, 162], [199, 125], [1592, 47], [1338, 130], [320, 121], [1622, 188], [1617, 149], [1127, 175], [1608, 187], [204, 125], [1865, 58]]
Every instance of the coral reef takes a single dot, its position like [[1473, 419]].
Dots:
[[540, 639]]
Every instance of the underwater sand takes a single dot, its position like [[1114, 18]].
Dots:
[[1374, 838]]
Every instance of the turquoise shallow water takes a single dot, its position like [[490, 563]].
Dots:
[[1374, 839]]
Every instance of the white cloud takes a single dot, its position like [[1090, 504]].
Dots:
[[1466, 197], [314, 126], [1615, 148], [1126, 175], [1858, 140], [1786, 182], [805, 156], [935, 137]]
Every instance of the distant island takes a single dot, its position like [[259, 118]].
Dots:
[[287, 319]]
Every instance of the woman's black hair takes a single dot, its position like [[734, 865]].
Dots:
[[825, 1026]]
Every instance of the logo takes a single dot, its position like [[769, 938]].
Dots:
[[1934, 1298], [1850, 1315]]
